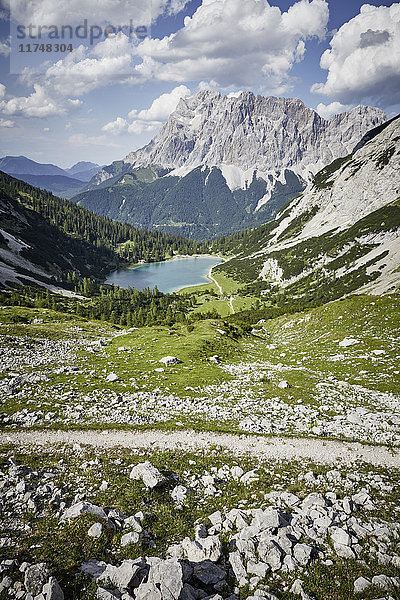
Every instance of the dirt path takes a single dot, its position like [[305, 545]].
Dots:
[[326, 452], [216, 282]]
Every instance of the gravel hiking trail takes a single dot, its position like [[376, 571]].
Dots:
[[320, 451]]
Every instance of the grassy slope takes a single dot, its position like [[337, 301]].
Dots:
[[302, 349]]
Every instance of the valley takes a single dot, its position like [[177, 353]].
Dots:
[[238, 439]]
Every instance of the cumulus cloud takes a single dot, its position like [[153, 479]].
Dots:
[[6, 123], [235, 42], [363, 63], [84, 70], [326, 111], [151, 118], [74, 12], [80, 72], [37, 104]]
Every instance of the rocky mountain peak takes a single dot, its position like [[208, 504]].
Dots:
[[251, 132]]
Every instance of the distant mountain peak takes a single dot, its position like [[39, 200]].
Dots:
[[249, 131]]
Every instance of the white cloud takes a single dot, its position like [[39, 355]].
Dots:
[[7, 124], [83, 70], [363, 61], [235, 42], [150, 118], [74, 12], [80, 72], [37, 104], [5, 47], [79, 139], [162, 106], [118, 126], [326, 111]]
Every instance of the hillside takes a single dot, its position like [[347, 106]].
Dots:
[[43, 239], [63, 182], [341, 235], [222, 164]]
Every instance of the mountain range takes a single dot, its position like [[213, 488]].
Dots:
[[341, 235], [64, 182], [224, 163]]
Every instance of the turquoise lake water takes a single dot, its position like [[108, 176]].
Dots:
[[168, 276]]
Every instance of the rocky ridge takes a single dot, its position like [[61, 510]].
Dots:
[[243, 133]]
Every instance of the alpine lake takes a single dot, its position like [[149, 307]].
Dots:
[[169, 276]]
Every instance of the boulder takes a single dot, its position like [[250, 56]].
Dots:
[[361, 584], [95, 530], [148, 591], [83, 508], [35, 578], [130, 538], [209, 548], [208, 573], [237, 566], [168, 576], [149, 474], [302, 553], [270, 553], [120, 577], [52, 590]]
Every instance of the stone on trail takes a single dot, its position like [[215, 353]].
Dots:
[[112, 377], [284, 385], [347, 342]]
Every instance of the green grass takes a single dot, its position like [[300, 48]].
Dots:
[[303, 348]]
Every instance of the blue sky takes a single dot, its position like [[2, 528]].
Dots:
[[101, 101]]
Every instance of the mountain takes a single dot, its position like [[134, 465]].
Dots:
[[20, 165], [224, 163], [44, 239], [64, 182], [341, 235], [84, 171]]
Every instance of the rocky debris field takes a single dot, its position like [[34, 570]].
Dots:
[[319, 374], [80, 522], [174, 497]]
